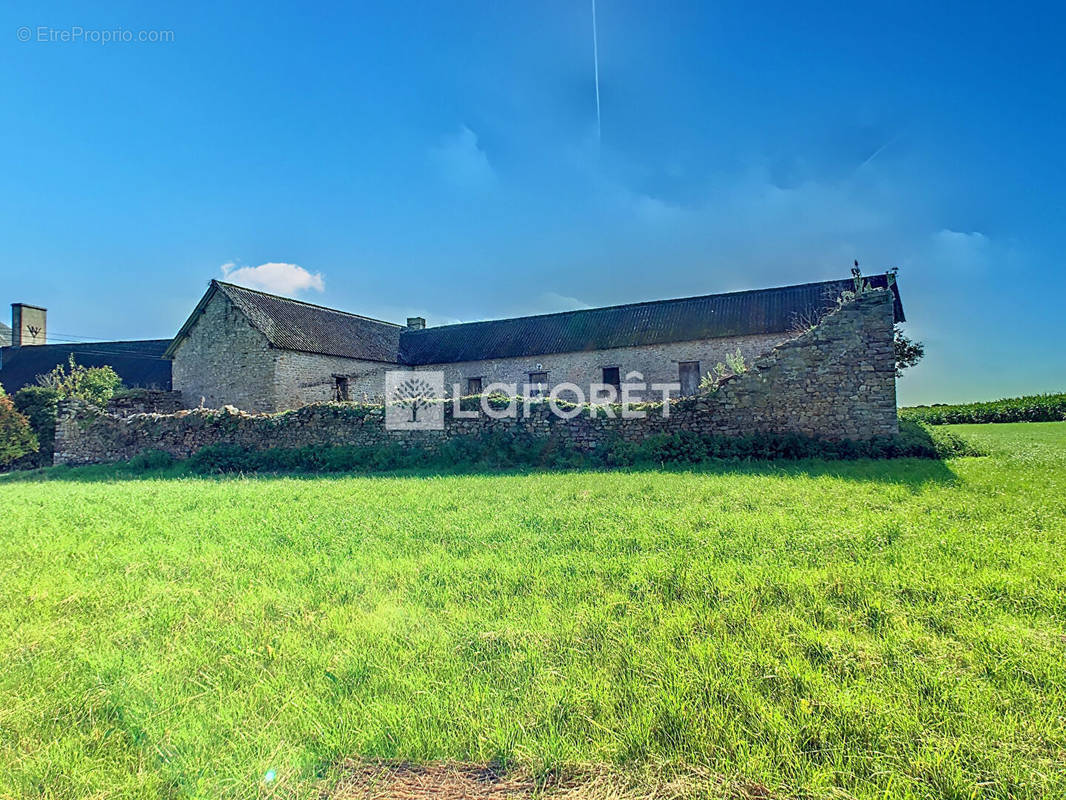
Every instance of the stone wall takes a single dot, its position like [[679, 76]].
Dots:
[[226, 361], [837, 381], [304, 378], [145, 401], [310, 378], [656, 363]]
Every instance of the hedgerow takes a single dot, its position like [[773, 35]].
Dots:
[[505, 450], [38, 404], [1032, 408]]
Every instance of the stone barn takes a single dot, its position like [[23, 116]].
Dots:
[[261, 352]]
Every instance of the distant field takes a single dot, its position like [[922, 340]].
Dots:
[[1032, 408], [889, 629]]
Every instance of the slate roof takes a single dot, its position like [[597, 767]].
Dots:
[[139, 363], [5, 335], [296, 325], [657, 322], [305, 327]]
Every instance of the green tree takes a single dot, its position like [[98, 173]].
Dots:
[[908, 352], [16, 437], [94, 385]]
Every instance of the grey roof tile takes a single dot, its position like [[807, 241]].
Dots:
[[656, 322], [296, 325]]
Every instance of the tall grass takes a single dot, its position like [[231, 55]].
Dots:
[[889, 629]]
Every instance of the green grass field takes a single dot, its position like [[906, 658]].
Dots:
[[889, 629]]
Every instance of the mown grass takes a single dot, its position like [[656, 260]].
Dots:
[[887, 629]]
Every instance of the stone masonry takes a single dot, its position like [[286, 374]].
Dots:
[[836, 381], [226, 361]]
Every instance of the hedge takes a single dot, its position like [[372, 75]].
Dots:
[[506, 450], [1033, 408], [38, 404]]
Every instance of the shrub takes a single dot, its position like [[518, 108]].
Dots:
[[94, 385], [17, 439], [1032, 408], [152, 459], [218, 458], [507, 450], [38, 404], [735, 362]]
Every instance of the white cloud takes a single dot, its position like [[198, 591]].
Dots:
[[461, 161], [961, 251], [274, 277]]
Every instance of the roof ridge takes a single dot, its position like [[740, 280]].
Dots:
[[630, 305], [304, 303]]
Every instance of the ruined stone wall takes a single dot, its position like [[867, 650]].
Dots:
[[837, 381], [144, 401]]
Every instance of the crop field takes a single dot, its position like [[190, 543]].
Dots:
[[1031, 408], [864, 629]]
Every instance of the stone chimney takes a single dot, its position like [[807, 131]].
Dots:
[[29, 324], [416, 323]]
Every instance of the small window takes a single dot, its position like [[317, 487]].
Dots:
[[688, 372], [538, 384], [340, 388], [473, 386], [611, 377]]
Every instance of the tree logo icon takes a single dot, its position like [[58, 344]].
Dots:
[[413, 401]]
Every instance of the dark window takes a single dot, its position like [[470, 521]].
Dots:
[[473, 386], [611, 377], [538, 384], [689, 375], [340, 388]]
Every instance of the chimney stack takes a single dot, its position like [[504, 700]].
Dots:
[[29, 325], [416, 323]]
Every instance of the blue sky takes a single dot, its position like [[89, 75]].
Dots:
[[442, 159]]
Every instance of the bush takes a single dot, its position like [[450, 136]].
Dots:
[[218, 458], [38, 404], [507, 450], [17, 439], [94, 385], [152, 459], [1032, 408]]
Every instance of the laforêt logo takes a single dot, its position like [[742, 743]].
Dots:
[[414, 401]]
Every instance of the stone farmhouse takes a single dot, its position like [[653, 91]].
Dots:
[[261, 352]]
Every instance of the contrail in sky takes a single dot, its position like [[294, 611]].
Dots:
[[596, 64]]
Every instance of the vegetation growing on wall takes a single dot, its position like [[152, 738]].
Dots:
[[719, 373], [94, 385]]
